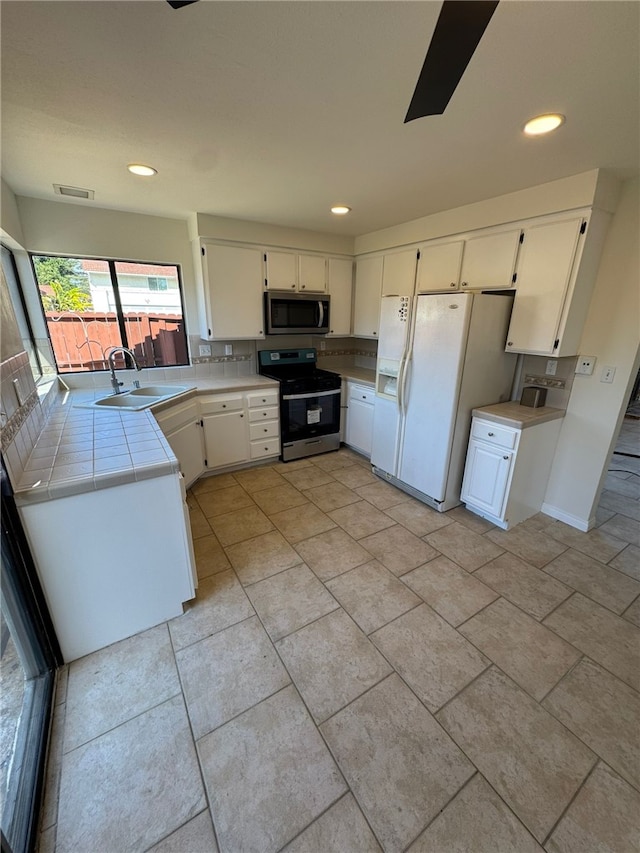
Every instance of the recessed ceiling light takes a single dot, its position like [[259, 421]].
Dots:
[[141, 169], [340, 209], [543, 124]]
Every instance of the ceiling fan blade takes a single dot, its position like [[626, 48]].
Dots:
[[458, 31], [178, 4]]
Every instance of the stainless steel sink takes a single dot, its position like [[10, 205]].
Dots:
[[139, 398]]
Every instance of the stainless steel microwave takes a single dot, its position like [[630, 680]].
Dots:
[[296, 313]]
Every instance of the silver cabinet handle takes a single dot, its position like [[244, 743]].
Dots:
[[490, 433], [505, 457]]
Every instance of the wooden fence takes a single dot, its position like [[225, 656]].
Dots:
[[81, 340]]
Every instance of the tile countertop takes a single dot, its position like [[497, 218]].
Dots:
[[514, 415], [356, 374], [82, 450]]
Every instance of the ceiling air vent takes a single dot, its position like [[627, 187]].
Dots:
[[74, 192]]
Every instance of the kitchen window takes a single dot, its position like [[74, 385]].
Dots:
[[91, 305]]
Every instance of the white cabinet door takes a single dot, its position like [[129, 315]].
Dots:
[[340, 290], [233, 292], [439, 267], [485, 477], [312, 273], [366, 311], [360, 425], [186, 443], [399, 273], [281, 270], [225, 439], [544, 273], [489, 260]]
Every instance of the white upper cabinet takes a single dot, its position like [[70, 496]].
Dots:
[[368, 290], [295, 271], [340, 289], [489, 260], [399, 273], [439, 266], [232, 286], [556, 273]]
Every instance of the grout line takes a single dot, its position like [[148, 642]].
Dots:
[[571, 801], [445, 806]]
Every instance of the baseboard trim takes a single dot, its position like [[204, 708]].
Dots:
[[572, 520]]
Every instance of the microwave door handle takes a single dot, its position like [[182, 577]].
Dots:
[[320, 313]]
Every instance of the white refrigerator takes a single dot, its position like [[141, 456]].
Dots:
[[439, 356]]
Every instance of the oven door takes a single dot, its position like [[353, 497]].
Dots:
[[314, 413]]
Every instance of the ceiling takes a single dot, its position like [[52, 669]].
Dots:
[[274, 111]]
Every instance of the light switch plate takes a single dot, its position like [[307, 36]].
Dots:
[[585, 364], [607, 374], [228, 349], [204, 349]]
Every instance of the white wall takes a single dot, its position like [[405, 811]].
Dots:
[[595, 410], [10, 218]]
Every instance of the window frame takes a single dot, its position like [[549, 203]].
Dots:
[[22, 306], [111, 262]]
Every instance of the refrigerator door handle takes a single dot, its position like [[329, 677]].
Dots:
[[403, 383]]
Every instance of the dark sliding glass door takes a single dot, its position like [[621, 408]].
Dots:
[[29, 655]]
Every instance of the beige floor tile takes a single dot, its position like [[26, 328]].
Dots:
[[530, 545], [341, 829], [528, 588], [398, 549], [401, 766], [331, 496], [293, 465], [332, 553], [361, 519], [354, 476], [308, 477], [268, 774], [624, 528], [382, 495], [220, 601], [537, 522], [606, 638], [526, 755], [132, 786], [209, 484], [278, 498], [607, 586], [603, 817], [602, 711], [302, 522], [195, 836], [430, 655], [240, 525], [331, 662], [466, 548], [620, 504], [476, 821], [256, 479], [474, 522], [628, 561], [597, 543], [451, 591], [623, 484], [632, 613], [262, 557], [531, 654], [417, 517], [289, 600], [210, 556], [112, 685], [227, 673], [197, 521], [372, 595], [333, 461], [603, 515], [222, 501]]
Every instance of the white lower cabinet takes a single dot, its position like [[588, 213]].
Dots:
[[359, 432], [240, 427], [182, 429], [264, 424], [507, 469]]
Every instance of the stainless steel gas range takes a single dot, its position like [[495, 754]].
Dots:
[[309, 402]]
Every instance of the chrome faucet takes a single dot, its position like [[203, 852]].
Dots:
[[114, 379]]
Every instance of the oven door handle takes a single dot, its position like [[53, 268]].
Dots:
[[321, 313], [309, 394]]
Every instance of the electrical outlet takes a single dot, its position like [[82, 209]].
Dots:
[[607, 374], [552, 366], [585, 364], [228, 349], [323, 345], [204, 349]]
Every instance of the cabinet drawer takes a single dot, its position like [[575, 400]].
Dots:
[[362, 393], [265, 398], [268, 447], [221, 403], [268, 429], [494, 434], [267, 414]]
